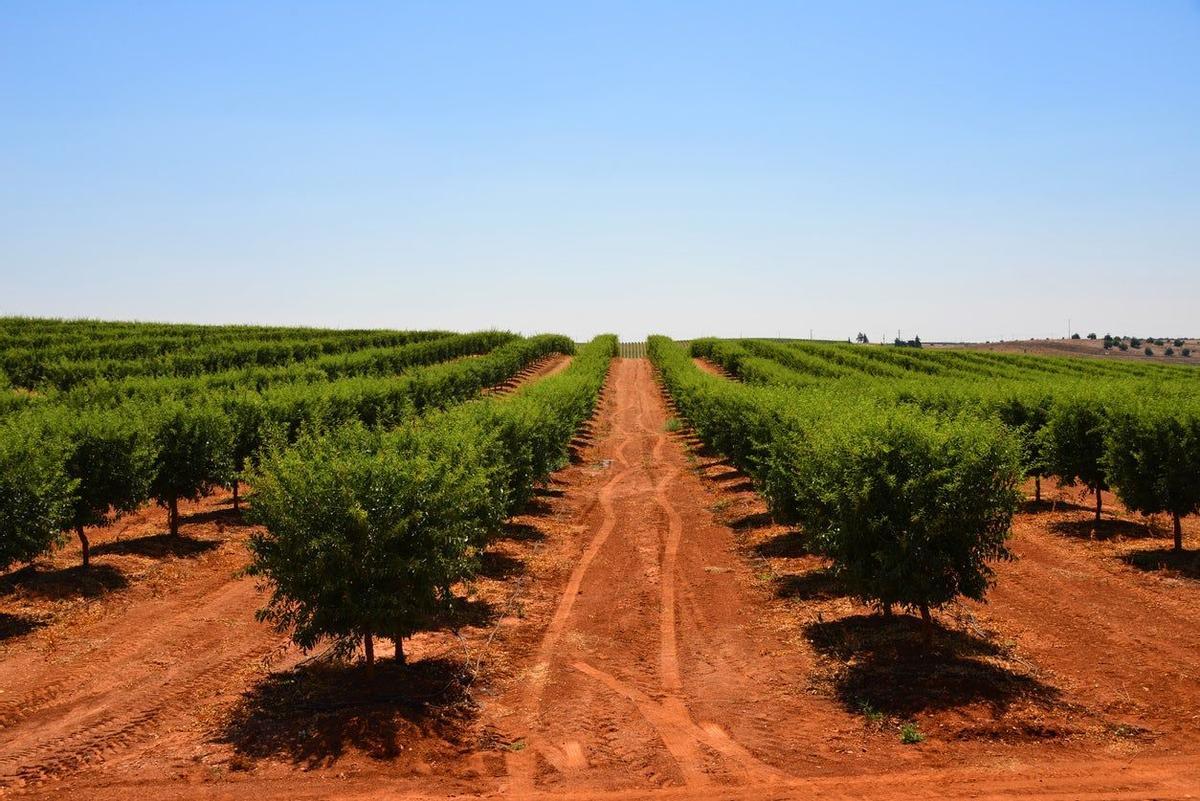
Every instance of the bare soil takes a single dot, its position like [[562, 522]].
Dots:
[[644, 631]]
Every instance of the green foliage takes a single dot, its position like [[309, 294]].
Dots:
[[36, 495], [1152, 457], [366, 533], [910, 734], [193, 447], [1149, 351], [909, 507], [1073, 441], [112, 462]]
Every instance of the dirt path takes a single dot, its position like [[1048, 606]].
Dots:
[[654, 669]]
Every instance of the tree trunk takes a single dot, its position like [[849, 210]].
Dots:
[[87, 550], [173, 516], [926, 625], [1099, 500], [401, 659], [369, 649], [235, 495], [1178, 534], [1037, 488]]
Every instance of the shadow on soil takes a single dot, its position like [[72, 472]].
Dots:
[[522, 532], [313, 715], [815, 585], [885, 665], [17, 625], [1107, 529], [156, 546], [225, 517], [749, 522], [1185, 564], [63, 583], [789, 545], [499, 566]]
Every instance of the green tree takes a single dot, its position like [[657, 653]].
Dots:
[[112, 463], [35, 492], [1152, 455], [909, 507], [193, 448], [248, 419], [1073, 444], [365, 534]]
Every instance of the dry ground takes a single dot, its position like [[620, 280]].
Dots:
[[643, 632]]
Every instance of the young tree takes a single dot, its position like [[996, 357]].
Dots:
[[112, 464], [1073, 443], [367, 533], [1152, 455], [35, 492], [193, 453], [910, 508], [248, 419], [1026, 415]]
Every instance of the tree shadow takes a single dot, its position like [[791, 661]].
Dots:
[[886, 665], [313, 715], [156, 546], [1058, 505], [814, 585], [521, 532], [63, 583], [227, 517], [728, 475], [788, 545], [548, 492], [751, 521], [1106, 529], [495, 565], [1185, 564], [12, 626], [464, 612]]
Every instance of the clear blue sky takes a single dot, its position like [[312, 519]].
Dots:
[[958, 169]]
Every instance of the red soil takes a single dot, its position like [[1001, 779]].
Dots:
[[644, 632]]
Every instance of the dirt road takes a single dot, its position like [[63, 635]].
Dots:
[[650, 637]]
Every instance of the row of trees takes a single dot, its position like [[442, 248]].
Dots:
[[367, 532], [909, 484], [1100, 425], [51, 367], [64, 468], [910, 507]]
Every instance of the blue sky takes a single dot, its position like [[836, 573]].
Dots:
[[959, 169]]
